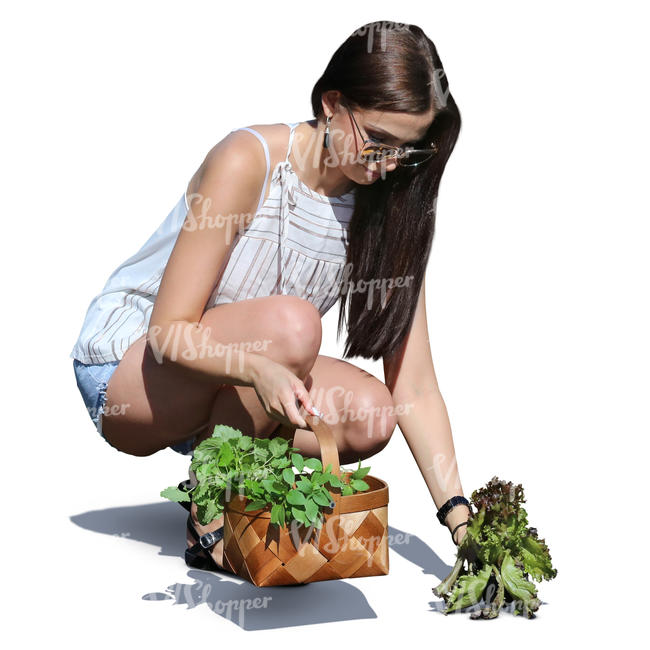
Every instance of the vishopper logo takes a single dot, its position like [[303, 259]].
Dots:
[[199, 593], [441, 95], [350, 153], [178, 342], [444, 469], [342, 543], [381, 284], [334, 395], [113, 409], [236, 483], [233, 222], [381, 27]]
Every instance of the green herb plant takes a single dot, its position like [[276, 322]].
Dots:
[[267, 471], [501, 552]]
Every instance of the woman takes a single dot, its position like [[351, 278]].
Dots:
[[216, 319]]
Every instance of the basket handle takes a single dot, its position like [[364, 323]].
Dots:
[[329, 452]]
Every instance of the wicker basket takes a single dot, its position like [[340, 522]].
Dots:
[[352, 542]]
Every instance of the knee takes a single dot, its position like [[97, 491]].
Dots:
[[370, 419], [296, 334], [131, 445]]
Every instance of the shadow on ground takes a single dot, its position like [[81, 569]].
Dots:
[[162, 525]]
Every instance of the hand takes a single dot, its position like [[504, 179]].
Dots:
[[281, 393]]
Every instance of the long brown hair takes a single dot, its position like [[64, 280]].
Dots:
[[391, 67]]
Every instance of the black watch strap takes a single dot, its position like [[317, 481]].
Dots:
[[449, 504]]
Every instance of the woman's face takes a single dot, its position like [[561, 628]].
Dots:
[[383, 127]]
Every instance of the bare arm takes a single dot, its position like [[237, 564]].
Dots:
[[411, 378], [224, 200]]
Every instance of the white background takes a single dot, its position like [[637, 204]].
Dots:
[[537, 304]]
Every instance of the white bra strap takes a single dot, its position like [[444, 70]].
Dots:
[[260, 137]]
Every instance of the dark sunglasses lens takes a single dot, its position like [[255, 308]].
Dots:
[[414, 158]]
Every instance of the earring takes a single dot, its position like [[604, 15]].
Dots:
[[326, 139]]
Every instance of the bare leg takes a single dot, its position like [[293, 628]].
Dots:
[[154, 405]]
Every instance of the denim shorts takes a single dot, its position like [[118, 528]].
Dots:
[[92, 380]]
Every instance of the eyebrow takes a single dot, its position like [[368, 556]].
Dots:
[[372, 127]]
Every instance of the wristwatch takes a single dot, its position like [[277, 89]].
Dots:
[[449, 504]]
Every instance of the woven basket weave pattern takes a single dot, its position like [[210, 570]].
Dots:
[[352, 542]]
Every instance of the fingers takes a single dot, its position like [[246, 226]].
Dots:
[[291, 411], [301, 397], [305, 399]]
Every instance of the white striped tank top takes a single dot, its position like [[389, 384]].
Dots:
[[295, 245]]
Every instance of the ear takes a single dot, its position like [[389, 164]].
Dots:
[[330, 100]]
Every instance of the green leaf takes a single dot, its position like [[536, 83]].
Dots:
[[322, 498], [359, 485], [268, 484], [255, 505], [278, 446], [515, 582], [207, 469], [314, 463], [261, 449], [288, 476], [207, 512], [271, 485], [298, 461], [536, 559], [304, 485], [253, 487], [200, 492], [209, 444], [296, 497], [335, 481], [275, 513], [311, 509], [225, 432], [299, 515], [346, 490], [226, 455], [468, 590], [203, 456], [361, 472], [174, 494], [245, 443]]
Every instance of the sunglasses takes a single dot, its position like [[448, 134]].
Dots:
[[373, 151]]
